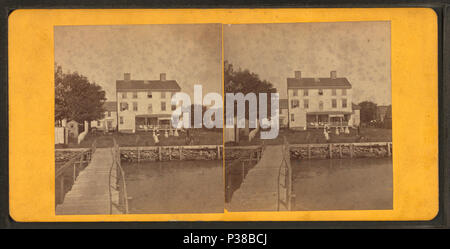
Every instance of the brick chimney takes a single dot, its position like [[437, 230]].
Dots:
[[298, 75], [162, 76], [333, 75], [127, 76]]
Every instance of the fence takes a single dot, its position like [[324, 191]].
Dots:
[[117, 183], [66, 174], [237, 169]]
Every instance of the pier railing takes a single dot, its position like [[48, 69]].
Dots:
[[66, 174], [117, 186], [285, 187], [237, 169]]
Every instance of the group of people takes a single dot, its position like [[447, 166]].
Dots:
[[167, 133], [338, 131]]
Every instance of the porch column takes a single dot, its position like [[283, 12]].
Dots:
[[317, 121]]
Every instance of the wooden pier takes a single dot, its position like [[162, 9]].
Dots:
[[268, 185], [91, 192]]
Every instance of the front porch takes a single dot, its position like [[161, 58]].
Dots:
[[151, 122], [320, 120]]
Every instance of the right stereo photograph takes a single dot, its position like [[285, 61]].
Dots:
[[316, 130]]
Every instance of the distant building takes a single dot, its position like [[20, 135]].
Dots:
[[284, 113], [382, 110], [315, 102], [109, 122], [145, 104]]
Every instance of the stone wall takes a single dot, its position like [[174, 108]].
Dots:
[[150, 154], [62, 156], [340, 151]]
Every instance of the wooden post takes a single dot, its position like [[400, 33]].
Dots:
[[340, 150], [61, 189], [351, 150], [74, 172], [309, 151], [243, 171], [331, 150], [159, 153], [388, 148], [139, 154]]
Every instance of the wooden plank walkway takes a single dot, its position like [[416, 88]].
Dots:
[[90, 192], [259, 190]]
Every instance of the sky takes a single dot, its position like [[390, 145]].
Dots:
[[359, 51], [188, 53]]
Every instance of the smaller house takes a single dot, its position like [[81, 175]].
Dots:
[[72, 130], [109, 122], [355, 118]]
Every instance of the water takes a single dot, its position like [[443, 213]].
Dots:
[[343, 184], [175, 187]]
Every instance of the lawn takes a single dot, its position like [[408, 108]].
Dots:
[[200, 137], [316, 136]]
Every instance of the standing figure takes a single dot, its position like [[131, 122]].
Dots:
[[325, 133]]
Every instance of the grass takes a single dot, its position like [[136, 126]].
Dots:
[[315, 136], [200, 137]]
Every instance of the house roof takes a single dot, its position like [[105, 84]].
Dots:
[[154, 85], [311, 83], [110, 106], [284, 104]]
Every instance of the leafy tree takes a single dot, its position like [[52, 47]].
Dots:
[[368, 111], [244, 81], [76, 98]]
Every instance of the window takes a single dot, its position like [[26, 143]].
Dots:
[[305, 92], [123, 106], [124, 95], [149, 95], [344, 92], [134, 95], [344, 103], [98, 123], [150, 108], [135, 106], [109, 114], [121, 120], [163, 95], [295, 92], [163, 106], [174, 107], [333, 92], [292, 118], [320, 105], [305, 103], [333, 103], [320, 92], [294, 103]]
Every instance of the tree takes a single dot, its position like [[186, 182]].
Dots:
[[76, 98], [244, 81], [368, 111]]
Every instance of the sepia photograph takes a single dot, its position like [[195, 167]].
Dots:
[[332, 83], [117, 148]]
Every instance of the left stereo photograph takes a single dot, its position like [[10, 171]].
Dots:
[[138, 119]]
